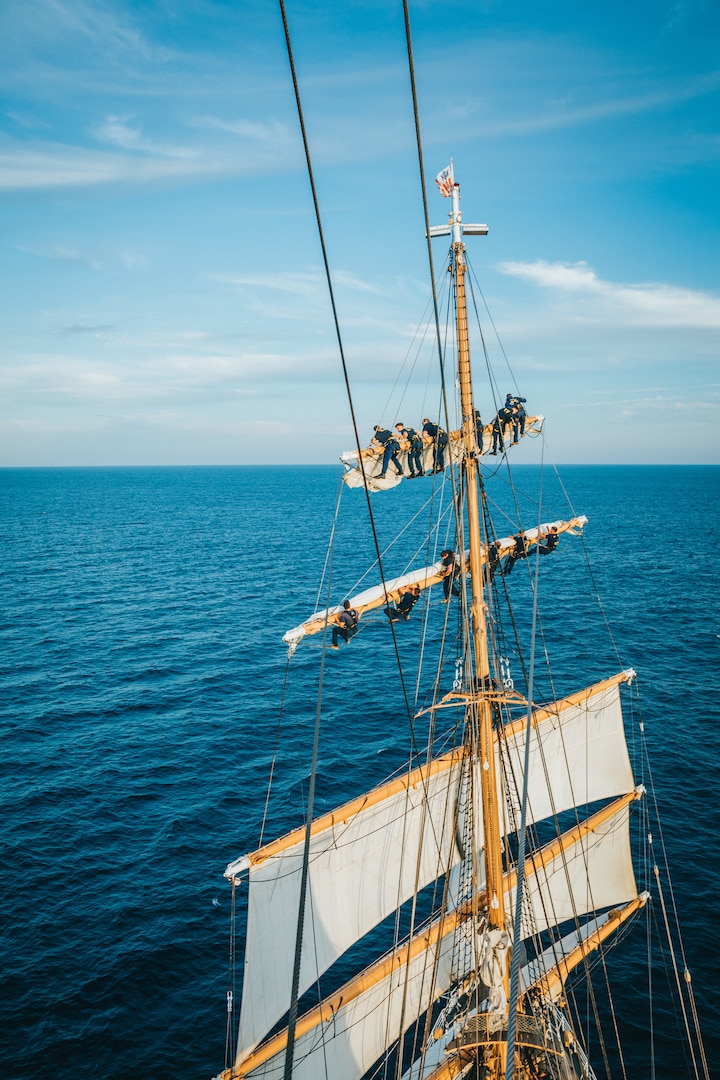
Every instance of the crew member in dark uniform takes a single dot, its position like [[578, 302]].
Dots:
[[520, 551], [408, 598], [391, 446], [548, 541], [440, 441], [519, 416], [497, 434], [478, 430], [493, 560], [415, 452], [449, 569], [346, 624]]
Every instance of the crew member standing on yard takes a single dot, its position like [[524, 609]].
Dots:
[[497, 434], [506, 416], [449, 568], [519, 416], [440, 441], [493, 560], [346, 624], [415, 450], [386, 439], [478, 430]]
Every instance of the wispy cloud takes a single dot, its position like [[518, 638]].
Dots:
[[52, 165], [308, 284], [649, 304], [271, 131], [120, 132], [62, 253], [566, 113]]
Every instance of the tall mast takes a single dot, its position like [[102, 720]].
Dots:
[[480, 708]]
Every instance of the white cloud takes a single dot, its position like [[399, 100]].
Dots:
[[645, 304], [61, 253], [119, 131], [270, 132]]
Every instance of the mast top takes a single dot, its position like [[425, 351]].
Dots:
[[445, 180]]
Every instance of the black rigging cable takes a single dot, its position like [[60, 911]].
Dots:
[[292, 1016]]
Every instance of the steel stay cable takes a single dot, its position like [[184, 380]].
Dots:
[[331, 293]]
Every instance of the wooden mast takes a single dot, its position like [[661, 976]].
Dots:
[[480, 708]]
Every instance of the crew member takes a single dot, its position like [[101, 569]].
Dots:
[[440, 441], [391, 446], [415, 450], [346, 624], [548, 541], [409, 596], [520, 551], [449, 568]]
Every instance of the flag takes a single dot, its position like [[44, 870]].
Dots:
[[445, 181]]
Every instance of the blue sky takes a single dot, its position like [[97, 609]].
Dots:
[[163, 294]]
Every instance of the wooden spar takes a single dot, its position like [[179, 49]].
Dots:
[[557, 975], [426, 577], [426, 939], [533, 425], [343, 813]]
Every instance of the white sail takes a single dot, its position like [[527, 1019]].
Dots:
[[366, 1016], [595, 873], [368, 857], [569, 760], [363, 864]]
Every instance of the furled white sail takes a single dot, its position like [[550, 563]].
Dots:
[[368, 1014], [368, 857]]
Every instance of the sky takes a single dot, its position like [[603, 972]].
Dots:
[[163, 293]]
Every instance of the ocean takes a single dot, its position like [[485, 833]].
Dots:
[[142, 676]]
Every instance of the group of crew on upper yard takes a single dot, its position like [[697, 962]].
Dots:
[[390, 442], [511, 415]]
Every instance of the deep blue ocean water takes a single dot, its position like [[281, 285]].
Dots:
[[142, 672]]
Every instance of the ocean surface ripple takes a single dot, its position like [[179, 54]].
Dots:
[[142, 671]]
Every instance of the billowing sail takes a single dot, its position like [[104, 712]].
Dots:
[[368, 857], [351, 1030], [390, 592]]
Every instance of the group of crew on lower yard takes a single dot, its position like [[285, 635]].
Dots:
[[547, 542], [346, 621], [512, 415], [390, 442]]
